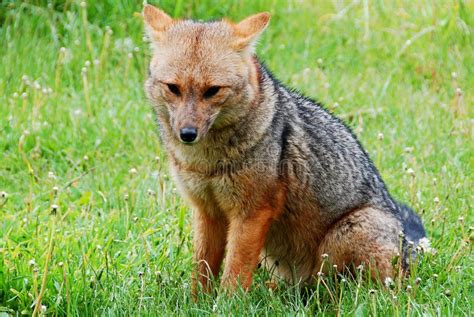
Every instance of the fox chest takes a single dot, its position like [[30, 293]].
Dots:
[[228, 193]]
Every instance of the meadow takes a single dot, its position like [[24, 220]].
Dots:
[[90, 220]]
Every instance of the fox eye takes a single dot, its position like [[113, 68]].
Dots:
[[211, 92], [174, 89]]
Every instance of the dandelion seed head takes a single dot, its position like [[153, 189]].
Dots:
[[388, 282]]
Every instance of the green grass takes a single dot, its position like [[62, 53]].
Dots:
[[119, 242]]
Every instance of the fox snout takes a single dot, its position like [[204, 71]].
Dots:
[[191, 122]]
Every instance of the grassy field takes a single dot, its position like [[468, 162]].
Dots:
[[90, 221]]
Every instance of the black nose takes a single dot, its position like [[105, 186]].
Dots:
[[188, 134]]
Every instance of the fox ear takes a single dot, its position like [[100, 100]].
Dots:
[[248, 30], [156, 21]]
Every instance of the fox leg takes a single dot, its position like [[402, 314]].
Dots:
[[367, 236], [209, 247], [246, 238]]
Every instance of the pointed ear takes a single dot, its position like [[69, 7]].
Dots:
[[248, 30], [156, 21]]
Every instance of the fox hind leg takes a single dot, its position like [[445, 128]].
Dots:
[[367, 236]]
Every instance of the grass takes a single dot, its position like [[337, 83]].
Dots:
[[91, 223]]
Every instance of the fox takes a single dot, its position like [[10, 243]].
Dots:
[[272, 177]]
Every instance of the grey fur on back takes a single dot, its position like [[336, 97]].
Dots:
[[324, 154]]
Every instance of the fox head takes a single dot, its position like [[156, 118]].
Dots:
[[202, 75]]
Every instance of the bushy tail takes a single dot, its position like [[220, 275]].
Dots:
[[412, 225]]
